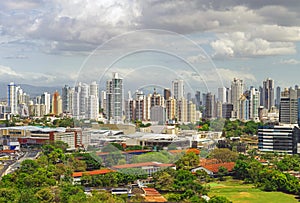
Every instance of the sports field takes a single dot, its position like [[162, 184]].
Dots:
[[238, 192]]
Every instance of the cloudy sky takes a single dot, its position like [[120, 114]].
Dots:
[[150, 43]]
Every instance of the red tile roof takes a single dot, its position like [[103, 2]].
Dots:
[[96, 172], [7, 151], [138, 150], [139, 165], [215, 167], [152, 195], [203, 161], [175, 151]]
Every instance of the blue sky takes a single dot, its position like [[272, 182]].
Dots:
[[206, 43]]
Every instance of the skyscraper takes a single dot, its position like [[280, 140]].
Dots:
[[93, 102], [288, 112], [114, 96], [177, 89], [167, 93], [198, 99], [268, 93], [210, 104], [254, 104], [45, 99], [277, 101], [56, 104], [222, 94], [237, 90], [67, 97], [12, 100]]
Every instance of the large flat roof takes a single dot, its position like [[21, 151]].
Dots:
[[36, 128]]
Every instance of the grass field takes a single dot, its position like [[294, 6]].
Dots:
[[238, 192]]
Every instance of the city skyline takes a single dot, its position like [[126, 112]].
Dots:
[[54, 43]]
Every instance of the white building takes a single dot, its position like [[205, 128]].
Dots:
[[115, 99], [177, 89]]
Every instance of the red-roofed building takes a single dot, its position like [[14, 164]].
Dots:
[[77, 175], [148, 167], [212, 169], [152, 195]]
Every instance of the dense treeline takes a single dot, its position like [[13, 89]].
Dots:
[[270, 177], [49, 179], [229, 128]]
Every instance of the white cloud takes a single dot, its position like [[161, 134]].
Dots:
[[290, 61], [241, 44], [228, 75], [7, 71], [7, 74], [196, 59]]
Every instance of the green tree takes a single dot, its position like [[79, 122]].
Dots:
[[45, 195], [8, 195], [223, 155], [188, 161], [222, 171]]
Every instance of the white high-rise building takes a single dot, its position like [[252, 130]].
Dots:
[[177, 89], [93, 102], [45, 99], [254, 104], [92, 108], [76, 105], [237, 90], [83, 90], [12, 99], [115, 99], [67, 99], [103, 101], [222, 94]]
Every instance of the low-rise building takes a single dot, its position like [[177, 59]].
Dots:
[[279, 138]]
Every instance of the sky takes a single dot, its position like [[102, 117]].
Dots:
[[149, 43]]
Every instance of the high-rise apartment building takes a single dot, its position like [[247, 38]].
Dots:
[[198, 99], [288, 111], [67, 99], [277, 100], [12, 99], [177, 89], [254, 104], [182, 111], [171, 107], [191, 112], [114, 96], [93, 102], [237, 90], [167, 93], [56, 104], [210, 106], [222, 94], [268, 93], [46, 100]]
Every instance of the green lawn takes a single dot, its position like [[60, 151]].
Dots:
[[238, 192]]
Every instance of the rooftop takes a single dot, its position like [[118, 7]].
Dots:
[[139, 165], [96, 172], [215, 167]]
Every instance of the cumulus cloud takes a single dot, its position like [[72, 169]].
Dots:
[[7, 71], [8, 74], [71, 25], [228, 75], [240, 44], [290, 61]]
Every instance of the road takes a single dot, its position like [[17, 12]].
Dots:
[[15, 165]]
